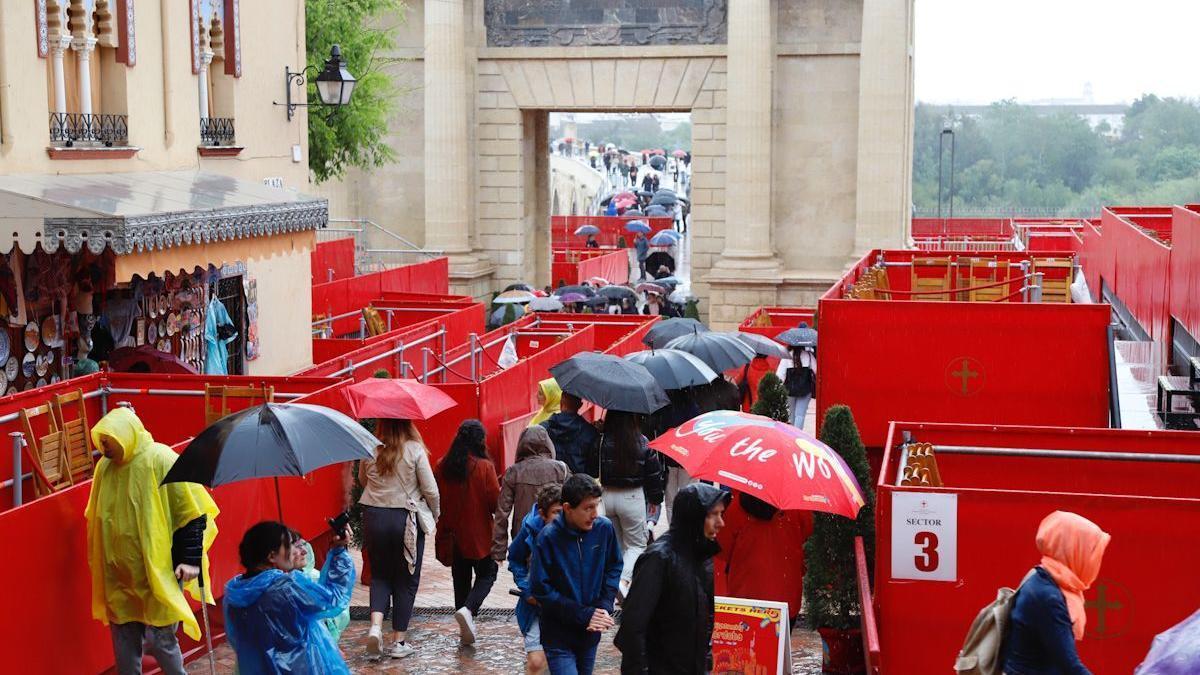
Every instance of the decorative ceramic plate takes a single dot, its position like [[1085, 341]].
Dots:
[[55, 379], [162, 328], [12, 368], [3, 381], [152, 333], [27, 386], [42, 382], [51, 335], [44, 361], [29, 365], [11, 390], [173, 324], [33, 336]]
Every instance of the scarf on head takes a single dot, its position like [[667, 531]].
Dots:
[[1072, 547], [552, 394]]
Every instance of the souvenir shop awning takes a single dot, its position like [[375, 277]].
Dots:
[[146, 211]]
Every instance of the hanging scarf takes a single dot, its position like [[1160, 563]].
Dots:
[[1072, 547], [410, 537]]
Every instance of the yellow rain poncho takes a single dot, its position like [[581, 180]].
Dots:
[[551, 394], [130, 522]]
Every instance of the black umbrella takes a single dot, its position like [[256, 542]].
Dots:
[[802, 336], [610, 382], [606, 200], [578, 288], [658, 162], [674, 369], [617, 292], [519, 286], [271, 440], [660, 258], [664, 199], [764, 346], [721, 351], [668, 329]]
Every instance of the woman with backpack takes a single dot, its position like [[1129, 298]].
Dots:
[[469, 489], [800, 379], [1048, 615]]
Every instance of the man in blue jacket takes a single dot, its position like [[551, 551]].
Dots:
[[575, 571], [573, 436]]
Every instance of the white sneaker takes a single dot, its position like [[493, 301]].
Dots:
[[466, 625], [375, 642], [400, 650]]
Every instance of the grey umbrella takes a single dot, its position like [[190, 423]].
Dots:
[[664, 199], [802, 336], [657, 210], [610, 382], [616, 292], [586, 291], [764, 346], [721, 351], [668, 329], [674, 369], [545, 305]]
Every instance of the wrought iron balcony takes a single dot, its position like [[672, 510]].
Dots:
[[216, 131], [69, 129]]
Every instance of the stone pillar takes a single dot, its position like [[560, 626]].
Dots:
[[751, 63], [885, 131], [206, 57], [58, 47], [747, 275], [448, 186]]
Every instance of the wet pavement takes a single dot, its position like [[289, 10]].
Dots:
[[498, 649]]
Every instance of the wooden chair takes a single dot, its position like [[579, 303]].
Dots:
[[931, 274], [51, 469], [221, 395], [984, 271], [1056, 278], [374, 323], [77, 433]]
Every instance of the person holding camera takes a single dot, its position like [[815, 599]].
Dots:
[[401, 505], [273, 613]]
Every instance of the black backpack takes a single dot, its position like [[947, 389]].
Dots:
[[800, 381]]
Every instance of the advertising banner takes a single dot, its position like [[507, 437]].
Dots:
[[751, 637]]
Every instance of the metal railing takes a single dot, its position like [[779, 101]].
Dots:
[[67, 129], [372, 259], [215, 131]]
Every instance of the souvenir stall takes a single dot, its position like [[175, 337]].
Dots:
[[153, 272]]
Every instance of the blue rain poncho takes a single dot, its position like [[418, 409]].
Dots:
[[274, 618], [337, 624]]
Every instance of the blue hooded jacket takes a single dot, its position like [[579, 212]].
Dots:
[[273, 619], [520, 553], [572, 574]]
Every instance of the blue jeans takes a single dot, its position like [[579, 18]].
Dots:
[[563, 661]]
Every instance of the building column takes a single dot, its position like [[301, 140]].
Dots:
[[84, 46], [206, 57], [747, 275], [449, 190], [750, 66], [885, 118], [58, 46]]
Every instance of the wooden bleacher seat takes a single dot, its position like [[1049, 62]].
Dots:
[[984, 271], [920, 466], [48, 452], [221, 395], [77, 433], [374, 322], [931, 274], [1057, 275]]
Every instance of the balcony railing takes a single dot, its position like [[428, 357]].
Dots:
[[69, 129], [216, 131]]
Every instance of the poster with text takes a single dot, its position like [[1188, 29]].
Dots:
[[751, 637], [925, 536]]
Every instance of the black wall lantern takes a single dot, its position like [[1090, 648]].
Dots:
[[335, 84]]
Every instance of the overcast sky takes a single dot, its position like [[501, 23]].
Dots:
[[979, 51]]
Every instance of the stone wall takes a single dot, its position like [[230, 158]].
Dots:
[[563, 23]]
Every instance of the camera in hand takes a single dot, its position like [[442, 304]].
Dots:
[[339, 522]]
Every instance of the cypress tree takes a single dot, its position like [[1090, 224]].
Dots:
[[830, 590], [692, 309], [772, 399], [510, 314]]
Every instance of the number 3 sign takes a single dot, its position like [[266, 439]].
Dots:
[[925, 536]]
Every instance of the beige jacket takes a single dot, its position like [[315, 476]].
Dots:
[[412, 486]]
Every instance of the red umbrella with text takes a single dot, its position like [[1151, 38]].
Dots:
[[396, 399], [773, 461]]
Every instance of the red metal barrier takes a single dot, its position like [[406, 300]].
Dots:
[[612, 267], [49, 580], [1006, 363], [1143, 264], [870, 631], [332, 260], [1143, 586], [612, 228], [575, 266], [1185, 268], [1094, 257], [349, 295], [935, 227]]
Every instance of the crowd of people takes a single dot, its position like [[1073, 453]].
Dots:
[[572, 517]]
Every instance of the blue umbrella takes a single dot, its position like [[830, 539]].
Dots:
[[656, 210], [665, 238], [637, 226], [585, 230]]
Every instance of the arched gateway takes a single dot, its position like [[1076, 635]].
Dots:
[[802, 132]]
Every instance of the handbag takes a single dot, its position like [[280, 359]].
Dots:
[[980, 653], [800, 381], [443, 546]]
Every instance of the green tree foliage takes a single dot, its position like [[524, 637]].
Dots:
[[772, 399], [691, 309], [830, 591], [633, 132], [353, 134], [1014, 156]]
